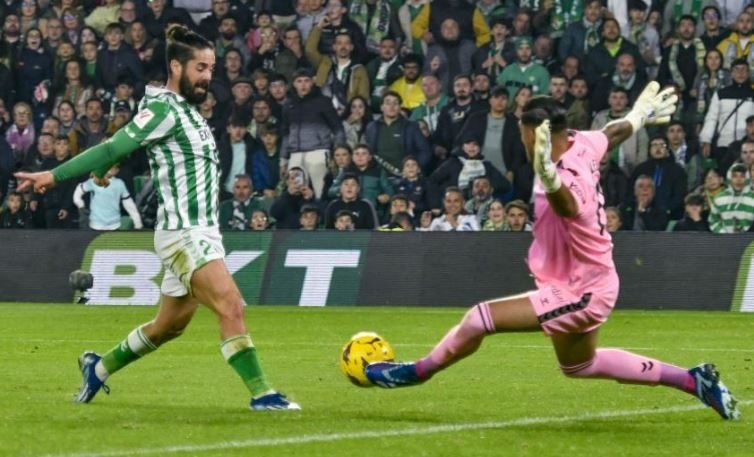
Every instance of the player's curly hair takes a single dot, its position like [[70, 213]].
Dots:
[[544, 107], [181, 42]]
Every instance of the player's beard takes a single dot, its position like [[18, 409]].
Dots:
[[188, 90]]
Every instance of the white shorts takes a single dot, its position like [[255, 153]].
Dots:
[[184, 251]]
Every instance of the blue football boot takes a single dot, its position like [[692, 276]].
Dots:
[[713, 393], [91, 384]]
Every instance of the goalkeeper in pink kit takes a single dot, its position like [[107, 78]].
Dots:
[[571, 260]]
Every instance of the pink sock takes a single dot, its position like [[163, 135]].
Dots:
[[630, 368], [460, 341]]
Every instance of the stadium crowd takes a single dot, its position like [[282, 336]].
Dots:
[[385, 114]]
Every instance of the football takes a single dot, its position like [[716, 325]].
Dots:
[[362, 349]]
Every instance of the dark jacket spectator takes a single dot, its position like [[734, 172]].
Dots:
[[413, 142], [310, 123]]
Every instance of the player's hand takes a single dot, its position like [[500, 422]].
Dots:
[[40, 182], [543, 165], [653, 106]]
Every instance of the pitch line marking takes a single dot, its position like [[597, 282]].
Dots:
[[323, 438]]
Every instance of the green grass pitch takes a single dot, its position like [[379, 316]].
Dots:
[[507, 400]]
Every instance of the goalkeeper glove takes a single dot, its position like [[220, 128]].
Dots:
[[653, 106], [543, 165]]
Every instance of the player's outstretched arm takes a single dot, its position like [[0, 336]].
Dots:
[[559, 196], [652, 107], [99, 159]]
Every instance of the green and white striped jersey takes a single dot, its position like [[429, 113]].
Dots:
[[182, 156]]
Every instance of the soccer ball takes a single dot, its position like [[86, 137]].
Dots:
[[362, 349]]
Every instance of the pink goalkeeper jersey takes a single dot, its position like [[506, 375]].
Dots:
[[574, 252]]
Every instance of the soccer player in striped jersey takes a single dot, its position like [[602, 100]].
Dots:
[[185, 170], [571, 259]]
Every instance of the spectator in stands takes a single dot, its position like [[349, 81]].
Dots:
[[67, 116], [625, 76], [309, 16], [103, 15], [525, 72], [399, 203], [670, 181], [374, 185], [634, 150], [729, 106], [543, 53], [413, 185], [480, 199], [493, 57], [460, 170], [90, 129], [383, 70], [517, 217], [34, 65], [21, 134], [337, 21], [236, 150], [105, 202], [74, 86], [43, 149], [713, 184], [260, 220], [709, 80], [310, 126], [682, 62], [51, 125], [53, 35], [427, 26], [579, 113], [738, 43], [495, 217], [221, 9], [675, 11], [643, 212], [614, 182], [89, 51], [453, 217], [376, 18], [558, 89], [344, 221], [355, 120], [337, 73], [266, 161], [7, 167], [407, 13], [613, 222], [450, 54], [646, 38], [735, 149], [580, 36], [435, 101], [294, 50], [481, 85], [16, 215], [209, 111], [273, 55], [341, 163], [600, 60], [392, 136], [117, 59], [55, 207], [350, 200], [11, 37], [686, 153], [693, 219], [157, 17], [714, 30], [309, 218], [732, 209], [409, 86], [128, 13], [287, 207], [228, 36], [261, 115], [499, 133], [454, 115]]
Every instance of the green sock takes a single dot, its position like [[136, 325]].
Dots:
[[135, 346], [242, 356]]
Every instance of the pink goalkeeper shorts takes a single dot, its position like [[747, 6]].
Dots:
[[563, 310]]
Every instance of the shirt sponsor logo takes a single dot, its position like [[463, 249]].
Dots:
[[143, 117]]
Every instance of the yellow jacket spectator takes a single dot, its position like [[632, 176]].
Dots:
[[470, 20]]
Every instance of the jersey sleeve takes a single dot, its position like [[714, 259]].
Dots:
[[153, 122], [88, 185]]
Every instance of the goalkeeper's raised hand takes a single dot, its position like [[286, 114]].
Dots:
[[653, 106], [543, 165]]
